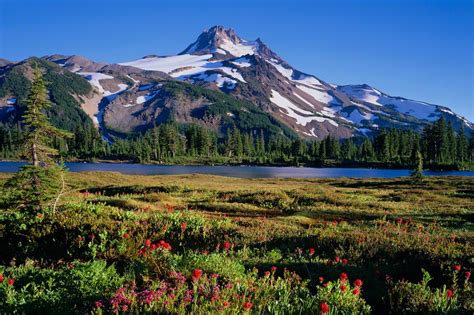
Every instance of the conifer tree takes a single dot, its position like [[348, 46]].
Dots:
[[417, 172], [42, 180], [39, 131]]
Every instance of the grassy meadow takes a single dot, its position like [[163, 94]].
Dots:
[[206, 244]]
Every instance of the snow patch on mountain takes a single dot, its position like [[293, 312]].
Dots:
[[239, 49], [112, 95], [145, 98], [221, 81], [308, 80], [182, 67], [416, 109], [94, 78], [318, 95], [295, 112], [242, 62], [363, 93], [357, 117], [170, 63], [289, 73]]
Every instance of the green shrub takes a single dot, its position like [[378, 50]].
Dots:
[[418, 298], [67, 290]]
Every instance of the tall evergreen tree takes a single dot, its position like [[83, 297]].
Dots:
[[39, 131], [37, 184]]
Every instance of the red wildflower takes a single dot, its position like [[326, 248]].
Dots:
[[324, 307], [126, 235], [321, 279], [11, 281], [358, 283], [164, 245], [325, 284], [356, 291], [311, 251], [449, 293], [274, 268], [225, 304], [1, 278], [148, 243], [92, 236], [345, 261], [343, 288], [467, 274], [337, 259], [457, 267], [267, 273], [227, 245], [197, 273], [248, 305], [124, 308], [184, 225], [343, 277], [98, 304]]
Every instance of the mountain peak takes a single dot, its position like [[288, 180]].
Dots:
[[223, 41], [219, 32]]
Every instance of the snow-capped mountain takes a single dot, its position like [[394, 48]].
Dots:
[[134, 95], [219, 58]]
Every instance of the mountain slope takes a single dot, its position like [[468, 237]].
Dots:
[[68, 92], [134, 99], [220, 59]]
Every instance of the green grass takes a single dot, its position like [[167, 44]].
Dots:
[[381, 226]]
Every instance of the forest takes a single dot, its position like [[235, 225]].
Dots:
[[440, 145]]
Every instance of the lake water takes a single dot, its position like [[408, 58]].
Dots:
[[238, 171]]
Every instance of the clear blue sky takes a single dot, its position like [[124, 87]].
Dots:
[[417, 49]]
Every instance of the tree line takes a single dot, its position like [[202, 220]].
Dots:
[[439, 144]]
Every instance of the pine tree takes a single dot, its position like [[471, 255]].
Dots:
[[451, 145], [260, 148], [42, 181], [462, 146], [417, 172], [39, 131]]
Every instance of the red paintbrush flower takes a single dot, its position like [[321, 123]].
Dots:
[[324, 307], [343, 277], [196, 275], [358, 283], [248, 305]]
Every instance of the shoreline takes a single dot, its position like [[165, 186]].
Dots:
[[321, 165]]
